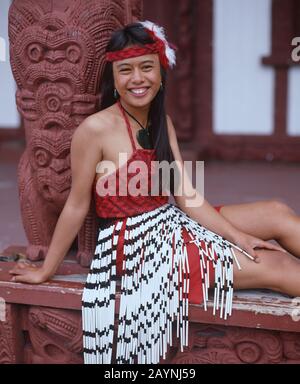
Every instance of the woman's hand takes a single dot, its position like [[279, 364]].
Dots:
[[250, 244], [26, 272]]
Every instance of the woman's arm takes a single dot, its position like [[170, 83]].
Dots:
[[85, 154], [202, 212]]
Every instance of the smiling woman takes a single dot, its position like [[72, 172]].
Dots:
[[137, 78], [135, 73]]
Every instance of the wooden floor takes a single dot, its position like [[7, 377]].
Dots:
[[225, 183]]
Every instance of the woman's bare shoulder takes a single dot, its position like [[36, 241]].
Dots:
[[100, 122], [92, 132]]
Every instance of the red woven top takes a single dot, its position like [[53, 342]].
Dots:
[[122, 203]]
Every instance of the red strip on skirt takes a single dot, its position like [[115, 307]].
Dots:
[[195, 291]]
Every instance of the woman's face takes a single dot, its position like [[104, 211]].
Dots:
[[137, 79]]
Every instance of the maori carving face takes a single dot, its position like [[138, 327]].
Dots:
[[50, 45], [55, 105], [51, 55], [57, 58], [51, 165]]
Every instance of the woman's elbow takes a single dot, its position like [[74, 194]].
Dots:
[[189, 200], [80, 205]]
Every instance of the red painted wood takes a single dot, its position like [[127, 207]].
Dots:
[[50, 314], [253, 310]]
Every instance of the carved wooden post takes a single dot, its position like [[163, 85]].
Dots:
[[11, 337], [56, 54]]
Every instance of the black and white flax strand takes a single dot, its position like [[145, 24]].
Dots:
[[154, 286]]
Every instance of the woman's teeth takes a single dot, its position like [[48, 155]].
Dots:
[[139, 91]]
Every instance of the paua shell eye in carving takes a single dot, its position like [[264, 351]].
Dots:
[[73, 53], [35, 52], [41, 157]]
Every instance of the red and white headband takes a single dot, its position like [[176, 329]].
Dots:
[[161, 46]]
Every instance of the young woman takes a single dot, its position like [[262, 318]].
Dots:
[[167, 256]]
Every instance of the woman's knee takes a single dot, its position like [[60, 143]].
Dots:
[[278, 208], [279, 217]]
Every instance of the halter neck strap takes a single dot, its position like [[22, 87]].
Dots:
[[127, 125]]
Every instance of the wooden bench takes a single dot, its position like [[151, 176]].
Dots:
[[42, 324]]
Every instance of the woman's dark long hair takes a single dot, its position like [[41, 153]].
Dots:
[[135, 34]]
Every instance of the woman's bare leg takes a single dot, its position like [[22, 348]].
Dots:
[[277, 270], [267, 220]]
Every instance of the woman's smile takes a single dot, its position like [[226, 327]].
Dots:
[[139, 92]]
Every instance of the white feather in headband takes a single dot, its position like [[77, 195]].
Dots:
[[160, 34]]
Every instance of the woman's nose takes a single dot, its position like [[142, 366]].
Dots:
[[137, 76]]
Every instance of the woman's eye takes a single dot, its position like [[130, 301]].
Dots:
[[147, 68], [125, 70]]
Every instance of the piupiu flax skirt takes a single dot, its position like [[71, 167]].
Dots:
[[165, 260]]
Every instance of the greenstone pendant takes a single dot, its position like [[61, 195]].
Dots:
[[143, 138]]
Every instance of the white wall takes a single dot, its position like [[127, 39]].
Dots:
[[293, 112], [243, 87], [9, 117]]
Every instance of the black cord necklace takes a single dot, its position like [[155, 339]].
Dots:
[[142, 135]]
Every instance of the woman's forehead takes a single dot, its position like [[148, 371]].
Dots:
[[138, 60]]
